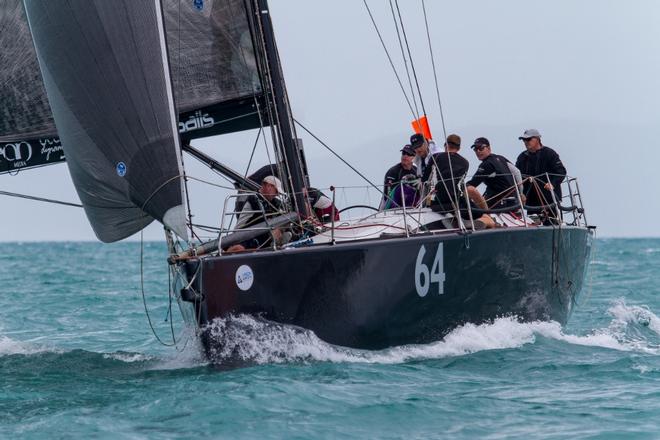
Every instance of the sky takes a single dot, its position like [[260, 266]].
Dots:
[[585, 73]]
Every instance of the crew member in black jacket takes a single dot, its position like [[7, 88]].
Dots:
[[450, 168], [404, 170], [536, 161], [493, 172]]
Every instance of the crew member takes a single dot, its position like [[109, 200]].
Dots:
[[267, 201], [534, 163], [257, 177], [494, 172], [423, 155], [322, 205], [450, 168], [405, 170]]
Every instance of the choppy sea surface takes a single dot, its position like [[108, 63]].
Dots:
[[78, 360]]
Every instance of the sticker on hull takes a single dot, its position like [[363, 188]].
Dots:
[[244, 277]]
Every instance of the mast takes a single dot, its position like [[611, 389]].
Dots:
[[282, 110]]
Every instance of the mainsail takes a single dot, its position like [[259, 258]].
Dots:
[[215, 75], [105, 70], [27, 131], [216, 85]]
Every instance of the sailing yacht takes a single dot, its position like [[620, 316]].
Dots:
[[123, 87]]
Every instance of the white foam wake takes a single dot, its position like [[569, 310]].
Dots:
[[259, 341], [9, 347], [625, 315], [128, 358]]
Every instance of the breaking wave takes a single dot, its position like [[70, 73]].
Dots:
[[245, 340], [9, 346], [251, 340], [637, 316]]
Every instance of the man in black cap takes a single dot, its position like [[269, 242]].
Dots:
[[422, 161], [494, 172], [535, 162], [404, 170]]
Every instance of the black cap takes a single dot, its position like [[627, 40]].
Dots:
[[408, 150], [479, 142], [416, 140]]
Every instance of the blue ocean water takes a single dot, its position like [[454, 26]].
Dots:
[[78, 360]]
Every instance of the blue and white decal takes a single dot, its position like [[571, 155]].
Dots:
[[244, 277], [198, 4], [425, 277], [121, 169]]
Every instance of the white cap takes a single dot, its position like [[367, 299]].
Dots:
[[275, 182], [530, 133]]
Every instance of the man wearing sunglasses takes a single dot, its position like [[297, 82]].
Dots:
[[535, 162], [494, 172], [404, 170]]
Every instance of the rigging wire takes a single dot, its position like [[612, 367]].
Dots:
[[271, 108], [435, 75], [40, 199], [405, 60], [412, 64], [382, 42], [176, 135], [337, 155], [405, 37], [455, 201], [254, 148]]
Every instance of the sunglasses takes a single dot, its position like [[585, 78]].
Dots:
[[479, 147], [403, 153]]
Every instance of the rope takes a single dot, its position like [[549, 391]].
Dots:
[[403, 90], [144, 299], [39, 199]]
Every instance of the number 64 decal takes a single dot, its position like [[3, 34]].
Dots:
[[424, 278]]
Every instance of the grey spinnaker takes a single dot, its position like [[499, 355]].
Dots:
[[105, 70], [216, 85]]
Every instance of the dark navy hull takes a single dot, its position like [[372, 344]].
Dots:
[[380, 293]]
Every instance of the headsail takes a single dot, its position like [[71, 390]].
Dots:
[[216, 85], [105, 70]]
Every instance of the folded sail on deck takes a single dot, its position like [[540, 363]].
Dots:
[[104, 65], [216, 85]]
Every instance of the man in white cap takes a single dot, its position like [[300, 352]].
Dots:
[[535, 162], [268, 198]]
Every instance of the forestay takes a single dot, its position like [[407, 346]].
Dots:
[[105, 70]]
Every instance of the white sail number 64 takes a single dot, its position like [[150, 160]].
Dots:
[[424, 278]]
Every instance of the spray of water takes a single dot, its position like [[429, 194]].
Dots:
[[252, 340]]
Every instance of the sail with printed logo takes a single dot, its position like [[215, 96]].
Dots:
[[217, 88], [106, 74]]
